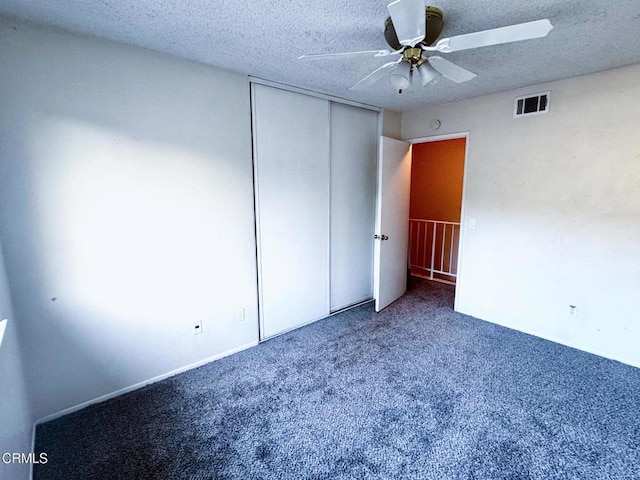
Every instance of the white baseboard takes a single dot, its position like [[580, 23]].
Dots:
[[593, 351], [136, 386], [566, 343]]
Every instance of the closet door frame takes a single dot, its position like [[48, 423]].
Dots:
[[309, 93], [257, 81]]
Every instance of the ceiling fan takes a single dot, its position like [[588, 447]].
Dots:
[[411, 30]]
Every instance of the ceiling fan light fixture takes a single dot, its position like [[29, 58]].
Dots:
[[401, 77], [427, 72]]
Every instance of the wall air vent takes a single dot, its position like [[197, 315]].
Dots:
[[531, 105]]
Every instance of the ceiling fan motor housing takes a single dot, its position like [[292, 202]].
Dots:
[[434, 20]]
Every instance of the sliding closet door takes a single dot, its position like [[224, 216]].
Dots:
[[354, 151], [291, 141]]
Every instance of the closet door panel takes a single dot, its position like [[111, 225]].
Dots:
[[354, 150], [291, 141]]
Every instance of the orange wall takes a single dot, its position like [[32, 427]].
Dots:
[[436, 180]]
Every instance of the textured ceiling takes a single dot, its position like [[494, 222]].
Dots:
[[264, 38]]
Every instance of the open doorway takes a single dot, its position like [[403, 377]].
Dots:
[[437, 186]]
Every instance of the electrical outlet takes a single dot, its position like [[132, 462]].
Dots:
[[240, 315], [472, 224], [197, 327], [573, 310]]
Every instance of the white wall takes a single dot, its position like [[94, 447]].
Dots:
[[391, 124], [556, 199], [126, 196], [15, 418]]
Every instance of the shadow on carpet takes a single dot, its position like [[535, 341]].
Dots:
[[417, 392]]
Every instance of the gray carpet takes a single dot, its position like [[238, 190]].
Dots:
[[416, 392]]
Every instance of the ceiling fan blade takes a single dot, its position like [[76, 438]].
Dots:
[[495, 36], [408, 17], [376, 75], [375, 53], [450, 70]]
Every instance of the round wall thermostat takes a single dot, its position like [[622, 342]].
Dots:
[[435, 124]]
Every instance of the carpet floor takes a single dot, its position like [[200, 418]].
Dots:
[[415, 392]]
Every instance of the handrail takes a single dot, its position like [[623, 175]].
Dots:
[[433, 246]]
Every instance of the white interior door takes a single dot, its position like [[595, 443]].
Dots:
[[392, 222]]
